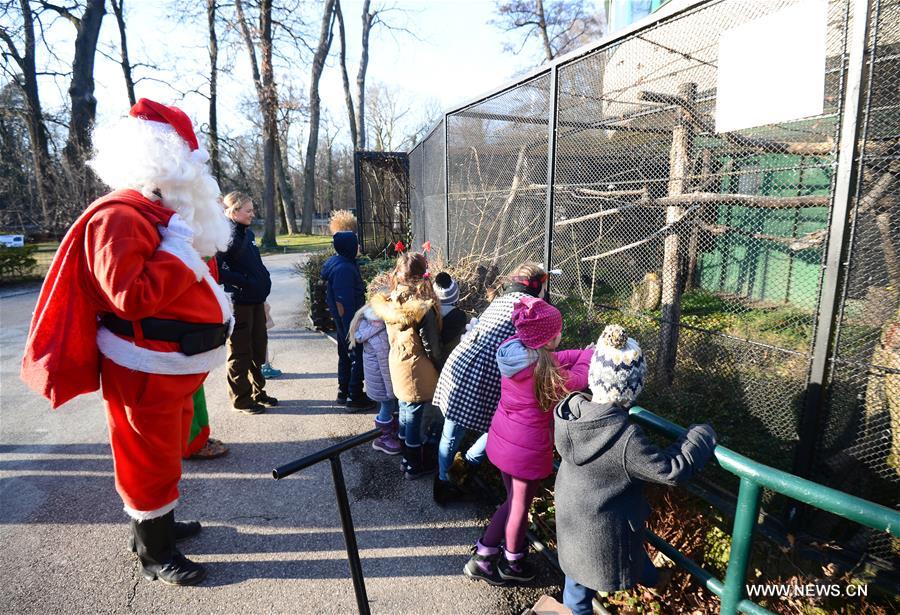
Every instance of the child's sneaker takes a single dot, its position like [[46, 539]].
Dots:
[[483, 567], [515, 569], [270, 372]]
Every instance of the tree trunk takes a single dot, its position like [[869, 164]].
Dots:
[[119, 11], [542, 26], [673, 257], [81, 90], [213, 90], [367, 19], [309, 174], [37, 131], [348, 96], [286, 191], [270, 125], [329, 174]]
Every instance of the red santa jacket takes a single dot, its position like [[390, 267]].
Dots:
[[123, 256]]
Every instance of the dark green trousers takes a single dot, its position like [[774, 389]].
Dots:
[[246, 354]]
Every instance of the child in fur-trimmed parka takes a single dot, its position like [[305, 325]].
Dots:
[[412, 315], [368, 329]]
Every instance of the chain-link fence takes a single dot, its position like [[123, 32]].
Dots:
[[757, 267], [383, 196]]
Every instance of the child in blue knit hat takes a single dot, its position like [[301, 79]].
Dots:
[[600, 505]]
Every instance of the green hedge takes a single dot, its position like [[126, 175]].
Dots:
[[17, 263]]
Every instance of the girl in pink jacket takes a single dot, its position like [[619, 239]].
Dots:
[[520, 440]]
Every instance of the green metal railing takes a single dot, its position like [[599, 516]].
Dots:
[[754, 476]]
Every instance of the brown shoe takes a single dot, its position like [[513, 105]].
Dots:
[[211, 450]]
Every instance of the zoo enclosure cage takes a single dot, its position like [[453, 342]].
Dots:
[[757, 267], [382, 199]]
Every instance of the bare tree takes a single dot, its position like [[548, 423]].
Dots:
[[561, 25], [309, 174], [368, 20], [385, 113], [119, 11], [211, 7], [81, 89], [268, 99], [26, 79], [348, 97]]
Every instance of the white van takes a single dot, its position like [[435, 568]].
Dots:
[[12, 241]]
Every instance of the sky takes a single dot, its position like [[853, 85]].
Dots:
[[454, 55]]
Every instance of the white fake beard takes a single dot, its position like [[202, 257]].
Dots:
[[153, 159]]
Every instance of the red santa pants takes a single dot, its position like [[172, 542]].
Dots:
[[149, 418]]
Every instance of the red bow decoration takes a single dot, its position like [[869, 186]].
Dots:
[[399, 247], [426, 247]]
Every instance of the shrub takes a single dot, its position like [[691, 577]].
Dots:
[[17, 263]]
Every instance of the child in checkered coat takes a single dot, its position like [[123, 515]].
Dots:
[[468, 389]]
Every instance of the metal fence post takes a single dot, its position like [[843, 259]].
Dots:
[[359, 200], [551, 171], [340, 490], [741, 544], [447, 185], [808, 428]]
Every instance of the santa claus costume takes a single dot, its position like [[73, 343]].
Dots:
[[130, 303]]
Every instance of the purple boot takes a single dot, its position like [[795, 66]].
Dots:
[[387, 442]]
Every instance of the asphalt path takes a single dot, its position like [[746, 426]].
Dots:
[[270, 546]]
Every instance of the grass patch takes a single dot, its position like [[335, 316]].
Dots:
[[299, 243]]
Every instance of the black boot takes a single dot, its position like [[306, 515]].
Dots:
[[183, 531], [415, 460], [444, 492], [430, 456], [155, 542]]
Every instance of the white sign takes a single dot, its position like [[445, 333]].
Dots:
[[772, 69]]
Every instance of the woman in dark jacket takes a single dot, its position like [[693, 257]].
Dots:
[[242, 271]]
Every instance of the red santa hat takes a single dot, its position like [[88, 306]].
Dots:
[[153, 111]]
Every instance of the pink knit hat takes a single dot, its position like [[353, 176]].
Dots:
[[536, 321]]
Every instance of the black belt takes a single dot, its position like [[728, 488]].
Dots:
[[192, 337]]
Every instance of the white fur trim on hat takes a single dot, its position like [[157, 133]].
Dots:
[[146, 515]]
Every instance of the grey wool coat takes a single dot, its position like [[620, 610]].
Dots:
[[600, 505]]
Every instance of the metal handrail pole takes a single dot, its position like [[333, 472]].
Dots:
[[304, 462], [340, 490], [825, 498], [741, 545]]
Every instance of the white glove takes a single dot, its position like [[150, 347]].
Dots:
[[177, 239], [178, 229], [471, 324]]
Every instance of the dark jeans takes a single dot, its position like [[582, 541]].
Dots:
[[578, 598], [246, 354], [350, 362]]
